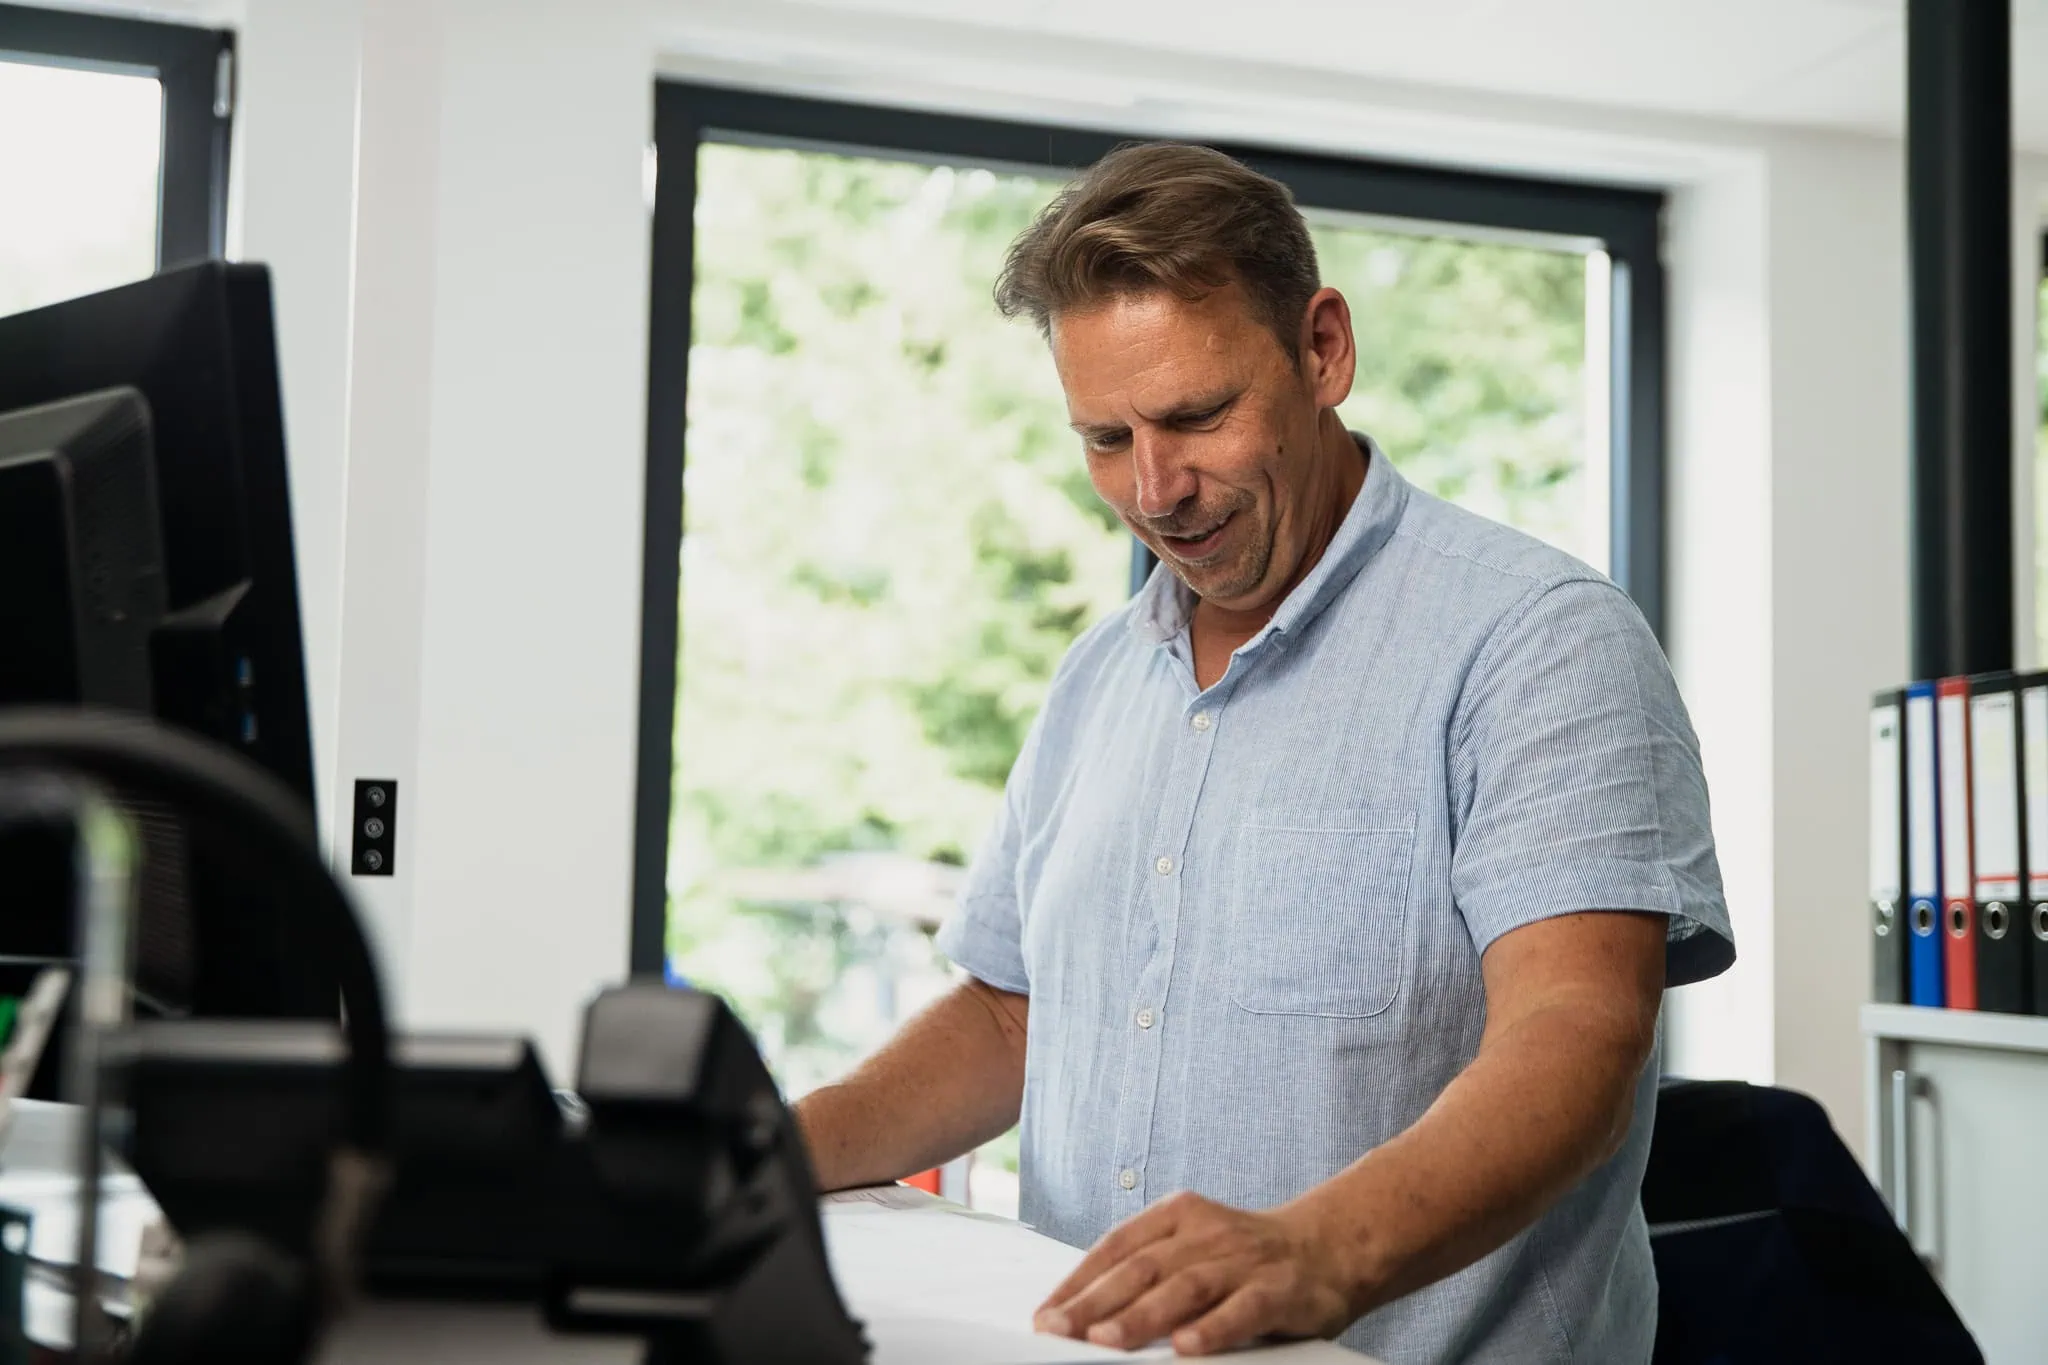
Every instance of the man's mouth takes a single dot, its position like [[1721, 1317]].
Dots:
[[1194, 548]]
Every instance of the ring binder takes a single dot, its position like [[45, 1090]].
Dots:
[[1958, 885], [1996, 820], [1924, 975]]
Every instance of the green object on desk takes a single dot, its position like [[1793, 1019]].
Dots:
[[9, 1007]]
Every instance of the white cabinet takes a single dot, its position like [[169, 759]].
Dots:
[[1959, 1114]]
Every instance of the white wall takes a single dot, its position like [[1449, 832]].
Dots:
[[1840, 439], [482, 643], [465, 395], [292, 205], [530, 662], [1719, 607]]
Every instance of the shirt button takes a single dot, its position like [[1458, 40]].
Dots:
[[1164, 867], [1201, 720], [1145, 1017], [1127, 1178]]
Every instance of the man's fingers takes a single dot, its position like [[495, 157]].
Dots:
[[1116, 1288], [1185, 1294], [1250, 1310], [1124, 1240]]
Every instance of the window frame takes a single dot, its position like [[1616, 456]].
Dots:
[[195, 67], [1627, 220], [2031, 643]]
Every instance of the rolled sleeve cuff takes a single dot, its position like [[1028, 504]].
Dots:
[[983, 952], [1694, 944]]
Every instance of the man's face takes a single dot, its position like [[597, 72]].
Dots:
[[1203, 435]]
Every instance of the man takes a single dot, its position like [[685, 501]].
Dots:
[[1321, 938]]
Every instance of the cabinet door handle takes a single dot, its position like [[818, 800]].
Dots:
[[1902, 1151], [1907, 1087]]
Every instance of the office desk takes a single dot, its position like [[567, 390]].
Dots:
[[934, 1283]]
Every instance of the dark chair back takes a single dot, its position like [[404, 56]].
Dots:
[[1771, 1245]]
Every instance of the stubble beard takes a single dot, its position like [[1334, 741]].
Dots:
[[1233, 578]]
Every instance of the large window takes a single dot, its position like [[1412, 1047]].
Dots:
[[871, 537], [114, 157]]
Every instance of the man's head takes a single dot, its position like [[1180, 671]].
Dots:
[[1201, 360]]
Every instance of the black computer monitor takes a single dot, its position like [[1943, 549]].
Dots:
[[194, 348]]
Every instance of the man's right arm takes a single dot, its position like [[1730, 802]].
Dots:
[[950, 1080]]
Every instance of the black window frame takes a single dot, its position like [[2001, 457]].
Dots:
[[195, 67], [1627, 220]]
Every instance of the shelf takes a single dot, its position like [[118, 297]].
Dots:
[[1960, 1028]]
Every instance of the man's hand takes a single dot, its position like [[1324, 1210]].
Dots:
[[1212, 1276]]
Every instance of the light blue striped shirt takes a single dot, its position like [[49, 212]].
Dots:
[[1250, 918]]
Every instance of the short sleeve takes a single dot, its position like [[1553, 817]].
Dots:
[[1576, 780], [984, 934]]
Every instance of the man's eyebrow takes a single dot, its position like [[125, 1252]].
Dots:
[[1193, 407], [1198, 406]]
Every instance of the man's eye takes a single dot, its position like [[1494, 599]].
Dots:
[[1103, 445], [1203, 419]]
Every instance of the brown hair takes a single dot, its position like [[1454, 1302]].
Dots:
[[1165, 215]]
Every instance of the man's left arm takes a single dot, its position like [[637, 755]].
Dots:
[[1571, 1016]]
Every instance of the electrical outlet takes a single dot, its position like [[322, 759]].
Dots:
[[375, 828]]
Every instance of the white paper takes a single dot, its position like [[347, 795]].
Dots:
[[918, 1340], [947, 1285], [878, 1199], [941, 1262], [937, 1284]]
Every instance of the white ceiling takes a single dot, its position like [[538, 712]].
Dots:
[[1821, 63], [1825, 63]]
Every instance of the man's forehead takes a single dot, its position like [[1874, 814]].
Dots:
[[1152, 348], [1215, 318]]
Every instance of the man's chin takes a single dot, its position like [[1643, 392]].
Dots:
[[1223, 585]]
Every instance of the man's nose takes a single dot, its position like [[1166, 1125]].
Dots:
[[1163, 477]]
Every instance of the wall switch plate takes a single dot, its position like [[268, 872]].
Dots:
[[376, 827]]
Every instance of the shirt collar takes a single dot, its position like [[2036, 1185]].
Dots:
[[1164, 605]]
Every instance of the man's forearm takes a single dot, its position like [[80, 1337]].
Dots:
[[1543, 1104], [949, 1081], [1519, 1128]]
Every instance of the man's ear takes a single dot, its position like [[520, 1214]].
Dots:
[[1329, 354]]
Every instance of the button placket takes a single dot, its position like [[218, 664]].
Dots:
[[1140, 1091]]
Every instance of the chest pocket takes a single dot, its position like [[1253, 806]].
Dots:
[[1319, 913]]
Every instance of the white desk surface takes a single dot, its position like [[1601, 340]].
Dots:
[[933, 1283]]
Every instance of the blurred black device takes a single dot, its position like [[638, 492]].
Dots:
[[671, 1199], [146, 564]]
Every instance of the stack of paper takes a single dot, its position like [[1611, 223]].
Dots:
[[934, 1282], [937, 1284]]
